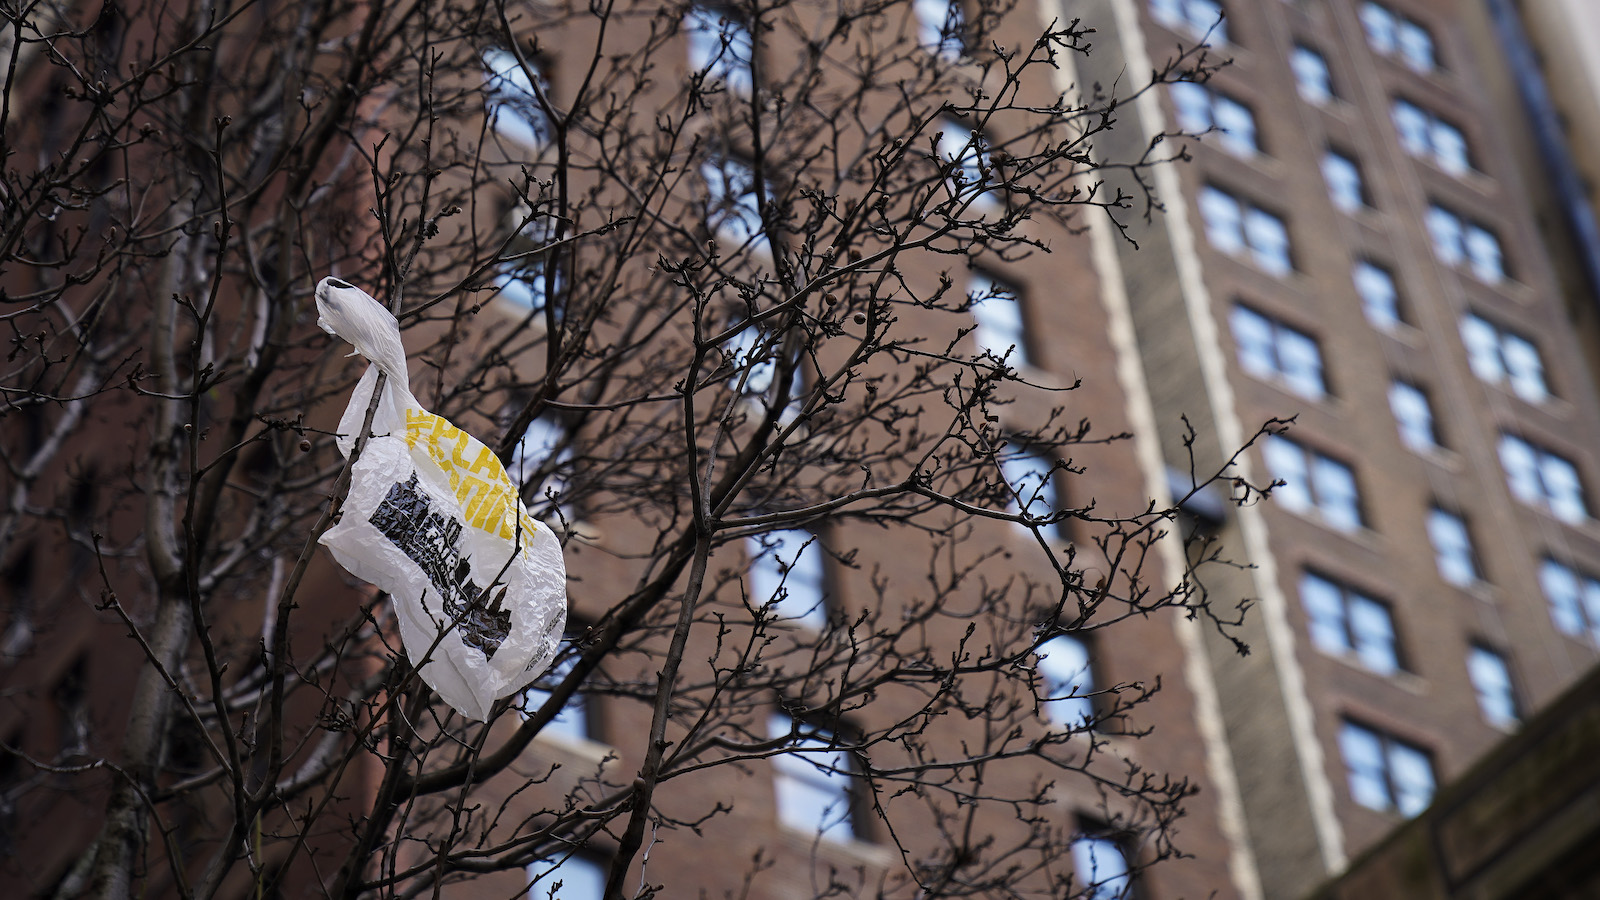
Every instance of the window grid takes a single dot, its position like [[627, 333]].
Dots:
[[1458, 242], [997, 314], [1066, 681], [1380, 299], [1200, 18], [1574, 600], [1344, 622], [721, 46], [1385, 773], [788, 570], [1542, 478], [1452, 547], [1239, 229], [1413, 416], [1498, 356], [813, 781], [1200, 109], [1491, 681], [1392, 34], [1273, 351], [1426, 136], [1312, 481], [1311, 75], [1344, 182]]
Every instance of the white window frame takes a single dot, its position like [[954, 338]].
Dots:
[[1312, 77], [1201, 109], [1573, 598], [1238, 228], [813, 781], [1313, 484], [1426, 136], [720, 45], [1490, 675], [788, 570], [1543, 479], [1380, 295], [1413, 416], [1501, 357], [1344, 622], [1000, 328], [1452, 547], [1273, 351], [1066, 681], [1385, 773], [510, 101]]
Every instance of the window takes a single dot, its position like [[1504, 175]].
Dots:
[[522, 280], [969, 152], [1066, 682], [1102, 867], [733, 211], [1424, 135], [721, 46], [1500, 357], [1457, 241], [1311, 75], [1028, 475], [1271, 350], [1541, 478], [1239, 229], [941, 27], [1452, 547], [1380, 299], [787, 570], [1391, 34], [1343, 622], [1385, 773], [1574, 600], [752, 362], [573, 721], [544, 447], [1491, 680], [814, 780], [1312, 481], [1200, 109], [512, 106], [581, 878], [1198, 17], [1413, 415], [997, 310], [1344, 181]]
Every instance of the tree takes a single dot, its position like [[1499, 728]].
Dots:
[[711, 315]]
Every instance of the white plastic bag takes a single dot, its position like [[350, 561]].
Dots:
[[479, 586]]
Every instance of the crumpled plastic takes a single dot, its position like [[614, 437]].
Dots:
[[479, 586]]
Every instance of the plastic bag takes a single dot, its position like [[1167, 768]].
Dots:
[[479, 586]]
